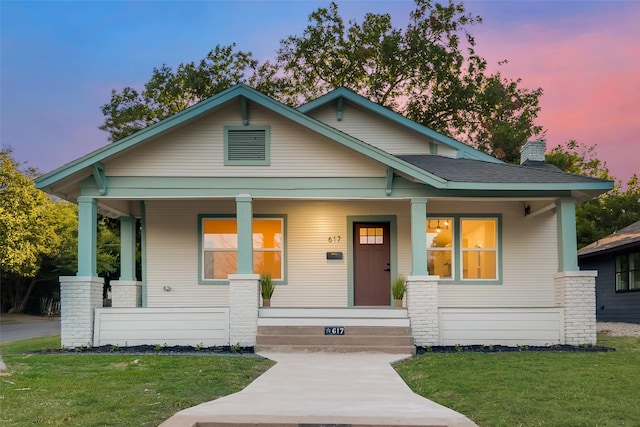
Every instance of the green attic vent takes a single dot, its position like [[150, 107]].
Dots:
[[246, 145]]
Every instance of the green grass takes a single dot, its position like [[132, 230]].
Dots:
[[112, 390], [534, 388]]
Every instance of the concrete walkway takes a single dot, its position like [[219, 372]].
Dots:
[[348, 389]]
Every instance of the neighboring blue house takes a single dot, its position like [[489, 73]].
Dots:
[[334, 199], [617, 260]]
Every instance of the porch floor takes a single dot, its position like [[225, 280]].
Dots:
[[353, 389]]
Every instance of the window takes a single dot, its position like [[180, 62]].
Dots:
[[628, 272], [371, 236], [220, 247], [246, 145], [463, 248]]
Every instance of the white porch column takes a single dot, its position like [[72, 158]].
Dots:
[[576, 292], [126, 293], [79, 297], [422, 307], [244, 299]]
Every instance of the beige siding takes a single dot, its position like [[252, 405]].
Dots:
[[381, 133], [529, 259], [522, 326], [162, 326], [197, 150], [529, 253]]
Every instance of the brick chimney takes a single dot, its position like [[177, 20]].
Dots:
[[532, 152]]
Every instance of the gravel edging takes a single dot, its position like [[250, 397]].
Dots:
[[619, 329]]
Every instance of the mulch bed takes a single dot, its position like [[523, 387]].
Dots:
[[510, 349]]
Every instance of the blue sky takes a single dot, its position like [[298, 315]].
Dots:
[[60, 60]]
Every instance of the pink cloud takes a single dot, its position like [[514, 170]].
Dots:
[[590, 72]]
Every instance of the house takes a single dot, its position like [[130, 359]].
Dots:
[[334, 199], [616, 258]]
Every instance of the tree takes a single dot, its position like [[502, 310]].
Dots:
[[614, 210], [38, 236], [168, 92], [428, 71]]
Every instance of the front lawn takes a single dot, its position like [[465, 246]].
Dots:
[[112, 390], [534, 388]]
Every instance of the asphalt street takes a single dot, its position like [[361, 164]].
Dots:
[[21, 327]]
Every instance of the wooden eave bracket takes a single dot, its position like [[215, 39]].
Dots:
[[389, 180], [100, 178], [244, 107], [340, 107]]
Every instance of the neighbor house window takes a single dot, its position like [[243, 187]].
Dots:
[[628, 272], [463, 248], [220, 247], [246, 145]]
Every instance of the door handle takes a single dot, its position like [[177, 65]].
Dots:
[[388, 268]]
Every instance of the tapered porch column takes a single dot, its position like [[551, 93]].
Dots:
[[80, 295], [419, 237], [87, 236], [422, 289], [244, 295], [567, 240], [575, 289], [127, 292]]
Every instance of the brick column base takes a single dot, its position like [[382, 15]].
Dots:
[[244, 299], [126, 293], [422, 306], [576, 292], [79, 297]]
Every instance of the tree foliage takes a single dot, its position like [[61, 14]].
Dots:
[[169, 92], [428, 71], [608, 212], [38, 236]]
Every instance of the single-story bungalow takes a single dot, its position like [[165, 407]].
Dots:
[[616, 258], [335, 199]]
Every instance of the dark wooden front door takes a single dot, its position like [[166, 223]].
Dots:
[[371, 276]]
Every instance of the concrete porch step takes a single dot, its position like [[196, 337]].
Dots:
[[359, 316], [385, 339]]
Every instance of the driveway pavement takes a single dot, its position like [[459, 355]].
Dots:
[[357, 389], [16, 327]]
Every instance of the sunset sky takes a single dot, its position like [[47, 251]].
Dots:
[[60, 60]]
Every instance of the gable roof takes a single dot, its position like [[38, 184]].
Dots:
[[433, 170], [464, 151], [628, 236]]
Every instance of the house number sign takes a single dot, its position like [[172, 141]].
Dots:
[[334, 239], [334, 330]]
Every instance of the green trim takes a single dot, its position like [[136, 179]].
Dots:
[[244, 221], [283, 217], [567, 239], [87, 237], [340, 109], [419, 237], [100, 178], [464, 151], [333, 187], [389, 187], [127, 248], [245, 162], [433, 148], [457, 249], [393, 231], [143, 249], [244, 109]]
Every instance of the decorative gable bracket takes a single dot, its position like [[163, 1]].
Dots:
[[244, 107], [389, 180], [100, 178]]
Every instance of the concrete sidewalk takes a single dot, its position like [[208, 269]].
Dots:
[[323, 389]]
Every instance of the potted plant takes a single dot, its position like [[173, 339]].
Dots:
[[266, 289], [398, 289]]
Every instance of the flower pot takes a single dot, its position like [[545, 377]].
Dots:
[[397, 303], [266, 302]]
